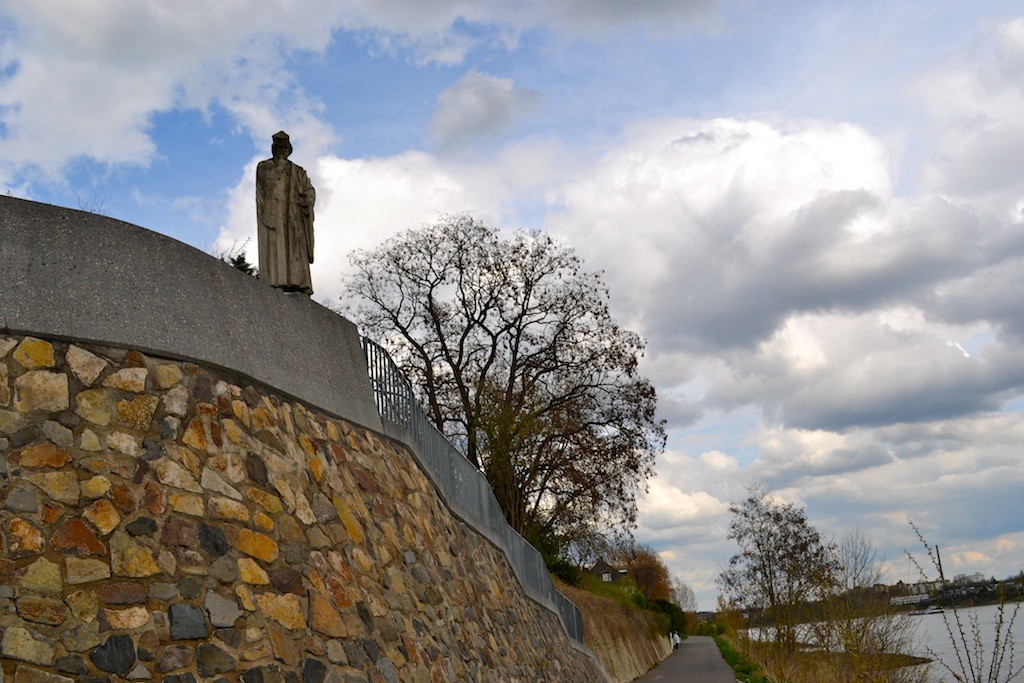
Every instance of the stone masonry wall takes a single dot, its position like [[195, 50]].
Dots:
[[165, 522]]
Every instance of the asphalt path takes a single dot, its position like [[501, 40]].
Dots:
[[696, 661]]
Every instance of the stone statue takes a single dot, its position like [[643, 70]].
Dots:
[[284, 219]]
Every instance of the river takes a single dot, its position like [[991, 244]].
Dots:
[[931, 633]]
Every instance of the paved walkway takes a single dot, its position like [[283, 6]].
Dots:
[[696, 661]]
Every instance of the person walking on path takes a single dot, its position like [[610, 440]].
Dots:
[[697, 660]]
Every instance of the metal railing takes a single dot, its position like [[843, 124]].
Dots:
[[464, 487]]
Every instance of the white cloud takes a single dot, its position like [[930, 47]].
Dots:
[[479, 106], [86, 79], [442, 31], [665, 506], [712, 231], [360, 202], [976, 116]]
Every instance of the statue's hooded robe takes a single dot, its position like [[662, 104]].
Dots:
[[284, 216]]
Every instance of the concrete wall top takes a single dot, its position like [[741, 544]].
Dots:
[[80, 276]]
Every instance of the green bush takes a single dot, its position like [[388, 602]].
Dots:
[[564, 570], [709, 628], [676, 616]]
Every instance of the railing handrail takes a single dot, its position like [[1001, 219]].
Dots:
[[463, 484]]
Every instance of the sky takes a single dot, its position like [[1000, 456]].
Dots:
[[812, 212]]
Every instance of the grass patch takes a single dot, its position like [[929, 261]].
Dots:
[[627, 641], [746, 670], [622, 592], [764, 662]]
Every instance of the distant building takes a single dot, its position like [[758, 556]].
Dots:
[[608, 573], [967, 579], [910, 599]]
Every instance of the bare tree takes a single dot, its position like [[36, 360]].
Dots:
[[980, 657], [782, 566], [519, 361], [858, 622], [683, 595]]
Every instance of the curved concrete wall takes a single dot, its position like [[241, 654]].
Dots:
[[75, 275]]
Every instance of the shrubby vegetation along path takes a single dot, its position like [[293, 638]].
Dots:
[[697, 660]]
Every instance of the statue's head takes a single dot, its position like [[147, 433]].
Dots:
[[282, 145]]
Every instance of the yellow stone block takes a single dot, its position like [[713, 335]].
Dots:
[[258, 652], [61, 486], [225, 508], [95, 405], [260, 546], [263, 521], [129, 558], [188, 459], [285, 609], [267, 501], [95, 487], [34, 353], [40, 455], [315, 579], [285, 491], [89, 441], [241, 411], [316, 467], [234, 433], [389, 531], [103, 515], [251, 572], [262, 418], [195, 435], [397, 582], [352, 526], [187, 504], [41, 390], [137, 413], [324, 618], [286, 418], [333, 433], [166, 376], [245, 595], [85, 605]]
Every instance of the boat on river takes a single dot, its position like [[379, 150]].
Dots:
[[934, 609]]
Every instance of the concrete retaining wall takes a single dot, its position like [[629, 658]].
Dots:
[[75, 275]]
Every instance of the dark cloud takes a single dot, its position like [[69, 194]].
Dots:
[[752, 250], [679, 413], [984, 295], [740, 291], [480, 106]]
